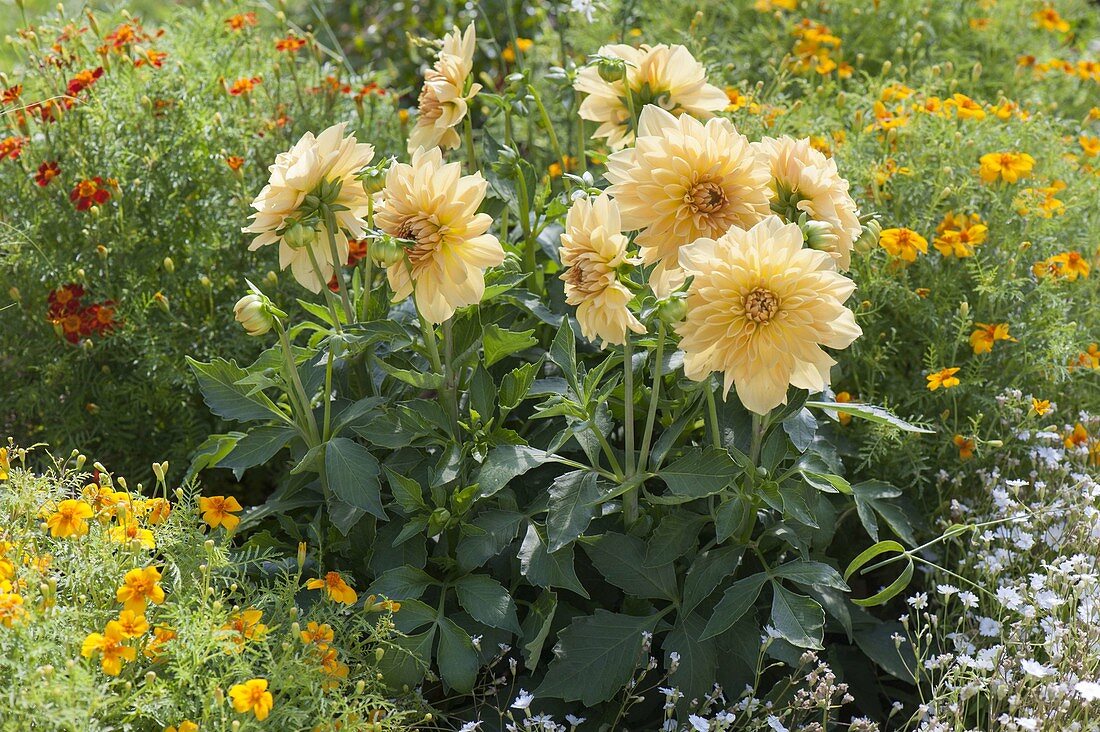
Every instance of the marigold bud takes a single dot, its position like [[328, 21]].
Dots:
[[169, 265]]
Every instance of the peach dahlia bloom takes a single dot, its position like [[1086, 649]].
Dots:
[[444, 98]]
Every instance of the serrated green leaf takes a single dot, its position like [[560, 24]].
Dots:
[[499, 344], [700, 472], [487, 602], [871, 413], [570, 508], [226, 398], [352, 475], [621, 559], [737, 600], [798, 619]]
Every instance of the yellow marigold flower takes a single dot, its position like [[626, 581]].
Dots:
[[162, 634], [1090, 146], [895, 92], [1076, 437], [69, 519], [444, 99], [802, 176], [1040, 407], [158, 509], [132, 624], [759, 311], [1049, 19], [1094, 114], [770, 6], [966, 446], [326, 158], [886, 119], [845, 70], [944, 377], [111, 645], [252, 696], [1071, 265], [332, 666], [684, 180], [509, 53], [903, 243], [218, 511], [335, 587], [246, 625], [130, 531], [5, 464], [737, 100], [140, 587], [1006, 166], [965, 107], [843, 397], [593, 250], [979, 24], [11, 607], [986, 334], [665, 75], [556, 170], [314, 634], [434, 206], [958, 234], [185, 726]]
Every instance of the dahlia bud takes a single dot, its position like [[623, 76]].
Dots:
[[868, 238], [672, 310], [271, 278], [252, 312], [611, 70], [819, 235], [298, 235], [386, 251]]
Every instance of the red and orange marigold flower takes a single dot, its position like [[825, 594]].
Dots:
[[89, 192], [83, 80], [47, 171]]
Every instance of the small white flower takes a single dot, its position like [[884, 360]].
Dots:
[[575, 721], [947, 590], [1036, 669], [968, 599], [989, 627], [470, 727], [523, 700], [698, 723], [775, 724], [1089, 690]]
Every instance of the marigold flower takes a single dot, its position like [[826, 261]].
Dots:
[[943, 378], [240, 21], [843, 397], [444, 97], [905, 244], [319, 635], [69, 519], [986, 334], [11, 608], [1071, 265], [151, 57], [290, 44], [965, 107], [1090, 146], [593, 250], [1076, 437], [246, 625], [1040, 407], [332, 666], [129, 531], [966, 446], [244, 85], [162, 634], [335, 587], [139, 588], [12, 147], [11, 94], [132, 624], [159, 509], [327, 158], [759, 309], [667, 76], [47, 172], [805, 181], [958, 234], [185, 726], [5, 464], [1005, 166], [684, 180], [433, 206], [252, 696], [111, 645], [1049, 19], [218, 511], [83, 80], [89, 192]]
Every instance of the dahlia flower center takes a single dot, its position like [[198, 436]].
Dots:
[[761, 305], [706, 197], [586, 276], [428, 104], [425, 236]]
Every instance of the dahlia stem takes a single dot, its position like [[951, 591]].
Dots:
[[654, 396], [712, 411], [327, 293], [553, 135], [297, 392], [326, 433], [759, 426], [450, 377], [330, 225], [428, 331], [628, 402], [471, 153]]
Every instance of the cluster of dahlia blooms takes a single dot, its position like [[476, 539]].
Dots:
[[755, 235]]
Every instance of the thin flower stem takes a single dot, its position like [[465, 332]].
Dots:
[[327, 293], [654, 396], [331, 226], [450, 377], [628, 402], [712, 412], [615, 467], [471, 152], [428, 331], [328, 396], [297, 392], [549, 126], [759, 427]]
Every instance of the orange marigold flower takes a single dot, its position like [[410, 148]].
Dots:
[[132, 624], [11, 608], [11, 94], [1005, 166], [185, 726], [12, 147], [903, 243], [943, 378], [131, 531], [69, 519], [1076, 437], [1090, 146], [1071, 265], [1040, 407], [290, 44], [111, 645], [89, 192], [151, 57], [335, 587], [966, 446], [1049, 19], [246, 625], [958, 234], [240, 21], [843, 397], [965, 107], [47, 172], [986, 334], [162, 634], [319, 635], [83, 80], [244, 85], [252, 696], [218, 511], [235, 162], [139, 588]]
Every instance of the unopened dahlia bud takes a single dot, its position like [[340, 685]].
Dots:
[[298, 235], [820, 236], [169, 265], [252, 312], [386, 251], [611, 70], [672, 311], [868, 239]]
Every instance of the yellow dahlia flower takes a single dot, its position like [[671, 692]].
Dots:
[[444, 98], [684, 180], [592, 250], [667, 76], [327, 158], [759, 310], [807, 182], [435, 206]]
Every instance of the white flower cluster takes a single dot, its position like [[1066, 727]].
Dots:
[[1011, 640]]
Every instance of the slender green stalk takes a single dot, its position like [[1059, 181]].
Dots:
[[471, 152], [428, 332], [327, 431], [712, 413], [654, 396], [327, 293], [549, 127], [628, 402], [331, 226], [450, 377], [607, 451], [297, 392], [759, 427]]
